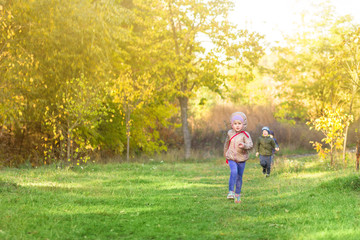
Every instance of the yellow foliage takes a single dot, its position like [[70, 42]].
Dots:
[[332, 124]]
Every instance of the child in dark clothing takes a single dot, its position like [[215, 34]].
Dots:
[[272, 135], [264, 148]]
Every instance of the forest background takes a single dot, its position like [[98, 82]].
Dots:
[[97, 80]]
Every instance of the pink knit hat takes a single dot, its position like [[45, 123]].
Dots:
[[237, 116]]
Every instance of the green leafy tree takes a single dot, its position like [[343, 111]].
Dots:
[[79, 109], [138, 86], [183, 27], [348, 59], [311, 79], [132, 92], [67, 40], [16, 84]]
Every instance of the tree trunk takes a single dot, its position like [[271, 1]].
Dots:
[[344, 147], [357, 155], [347, 125], [128, 135], [355, 81], [127, 141], [331, 155], [68, 155], [185, 126]]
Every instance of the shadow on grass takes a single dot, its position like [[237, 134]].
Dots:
[[6, 186], [346, 183]]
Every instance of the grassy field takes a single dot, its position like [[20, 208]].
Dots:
[[159, 200]]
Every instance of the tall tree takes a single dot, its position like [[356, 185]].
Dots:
[[312, 79], [67, 40], [320, 67], [138, 83], [348, 58], [16, 84], [198, 43]]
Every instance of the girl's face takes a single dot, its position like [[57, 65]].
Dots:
[[237, 125], [265, 133]]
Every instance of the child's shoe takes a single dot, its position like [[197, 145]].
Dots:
[[231, 195], [267, 175], [264, 171], [237, 198]]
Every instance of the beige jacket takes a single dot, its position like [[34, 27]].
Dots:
[[234, 152]]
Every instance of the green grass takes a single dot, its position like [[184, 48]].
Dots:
[[157, 200]]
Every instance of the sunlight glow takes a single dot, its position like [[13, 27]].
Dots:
[[312, 175], [278, 17], [50, 184]]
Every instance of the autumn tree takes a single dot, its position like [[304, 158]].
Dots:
[[15, 80], [79, 110], [75, 58], [185, 27], [348, 60], [319, 67], [312, 79], [68, 42], [332, 124], [138, 84]]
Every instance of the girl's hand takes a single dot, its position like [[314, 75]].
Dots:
[[277, 149], [257, 154]]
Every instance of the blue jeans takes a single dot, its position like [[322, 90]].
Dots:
[[236, 174]]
